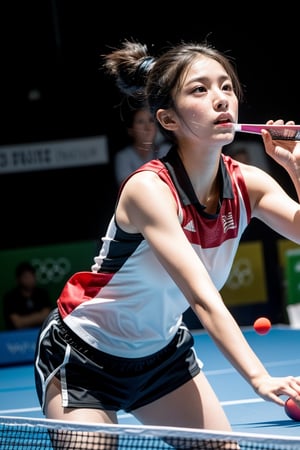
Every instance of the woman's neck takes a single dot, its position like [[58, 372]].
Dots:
[[202, 170]]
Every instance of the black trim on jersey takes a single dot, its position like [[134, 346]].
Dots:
[[120, 249], [184, 186]]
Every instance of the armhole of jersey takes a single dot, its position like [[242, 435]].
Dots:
[[173, 191], [241, 186], [180, 211]]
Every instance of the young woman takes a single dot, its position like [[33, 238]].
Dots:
[[116, 340]]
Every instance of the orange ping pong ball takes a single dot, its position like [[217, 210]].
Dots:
[[292, 409], [262, 325]]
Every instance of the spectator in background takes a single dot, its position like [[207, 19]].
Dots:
[[26, 305], [145, 140]]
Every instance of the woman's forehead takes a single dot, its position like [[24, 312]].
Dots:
[[205, 67]]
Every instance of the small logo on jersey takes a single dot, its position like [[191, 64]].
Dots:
[[190, 226], [228, 222]]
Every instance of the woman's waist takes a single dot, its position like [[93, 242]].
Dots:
[[123, 336]]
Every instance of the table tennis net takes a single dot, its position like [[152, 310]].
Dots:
[[18, 433]]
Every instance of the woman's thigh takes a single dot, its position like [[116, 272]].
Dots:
[[83, 440], [193, 405], [55, 410]]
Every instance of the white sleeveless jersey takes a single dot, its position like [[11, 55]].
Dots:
[[128, 305]]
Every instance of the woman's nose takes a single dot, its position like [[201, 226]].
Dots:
[[221, 104]]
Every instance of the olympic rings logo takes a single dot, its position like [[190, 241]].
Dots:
[[241, 274], [50, 270]]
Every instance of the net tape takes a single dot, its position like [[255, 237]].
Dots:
[[19, 433]]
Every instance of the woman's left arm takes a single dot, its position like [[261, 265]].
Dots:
[[271, 204]]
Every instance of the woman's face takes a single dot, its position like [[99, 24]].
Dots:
[[206, 104], [143, 130]]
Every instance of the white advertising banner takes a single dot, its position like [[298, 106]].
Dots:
[[49, 155]]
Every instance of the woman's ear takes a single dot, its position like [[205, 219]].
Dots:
[[166, 119]]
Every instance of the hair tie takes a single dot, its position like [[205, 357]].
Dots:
[[143, 69], [132, 84]]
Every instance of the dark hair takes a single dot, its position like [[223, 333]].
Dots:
[[130, 77], [156, 81], [23, 267]]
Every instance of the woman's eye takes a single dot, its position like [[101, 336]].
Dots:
[[200, 89], [227, 87]]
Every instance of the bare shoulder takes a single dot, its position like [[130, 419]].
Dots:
[[145, 199], [254, 175], [261, 185], [146, 181]]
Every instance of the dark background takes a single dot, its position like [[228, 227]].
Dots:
[[53, 48]]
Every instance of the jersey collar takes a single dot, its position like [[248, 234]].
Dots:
[[184, 186]]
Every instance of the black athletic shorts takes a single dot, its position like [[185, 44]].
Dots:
[[94, 379]]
